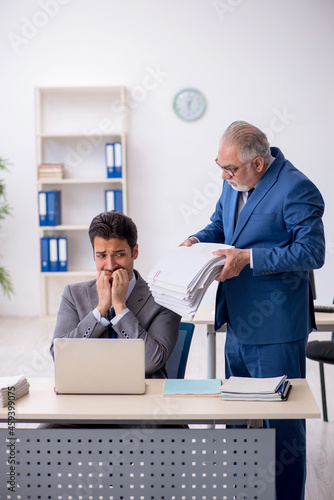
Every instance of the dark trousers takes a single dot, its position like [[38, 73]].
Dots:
[[274, 360]]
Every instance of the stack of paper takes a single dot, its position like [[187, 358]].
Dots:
[[50, 171], [256, 389], [12, 388], [181, 278]]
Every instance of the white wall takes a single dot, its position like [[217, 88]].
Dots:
[[268, 62]]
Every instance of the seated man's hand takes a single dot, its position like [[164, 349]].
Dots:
[[236, 260], [120, 284], [103, 285]]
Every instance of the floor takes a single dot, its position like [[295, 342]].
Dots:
[[24, 348]]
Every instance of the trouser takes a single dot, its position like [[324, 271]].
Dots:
[[273, 360]]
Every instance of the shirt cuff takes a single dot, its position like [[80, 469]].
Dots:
[[198, 241], [101, 321], [251, 259], [116, 318]]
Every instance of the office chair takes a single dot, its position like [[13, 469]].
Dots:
[[323, 352], [177, 361]]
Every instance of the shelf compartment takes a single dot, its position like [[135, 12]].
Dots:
[[80, 110], [88, 180]]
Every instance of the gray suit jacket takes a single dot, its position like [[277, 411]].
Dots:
[[147, 320]]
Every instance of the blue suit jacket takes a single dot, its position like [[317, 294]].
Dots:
[[281, 223]]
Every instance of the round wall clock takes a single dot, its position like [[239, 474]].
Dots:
[[189, 104]]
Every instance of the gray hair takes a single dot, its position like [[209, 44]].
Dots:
[[250, 141]]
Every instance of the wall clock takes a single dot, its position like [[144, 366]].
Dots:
[[189, 104]]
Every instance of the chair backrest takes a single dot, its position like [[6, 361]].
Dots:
[[177, 361], [333, 332]]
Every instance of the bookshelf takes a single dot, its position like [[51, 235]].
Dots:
[[73, 124]]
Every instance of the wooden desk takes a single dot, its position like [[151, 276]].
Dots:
[[142, 462], [43, 405], [206, 316]]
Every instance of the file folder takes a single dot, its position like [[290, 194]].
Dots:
[[53, 208], [113, 200], [188, 387], [118, 159], [45, 255], [53, 250], [110, 162], [62, 254], [109, 158], [114, 159], [42, 208]]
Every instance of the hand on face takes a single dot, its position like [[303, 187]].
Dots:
[[111, 288], [120, 284], [103, 286]]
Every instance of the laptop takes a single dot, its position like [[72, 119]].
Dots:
[[99, 366]]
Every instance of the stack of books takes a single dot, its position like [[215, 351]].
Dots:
[[180, 280], [50, 171], [256, 389], [12, 388]]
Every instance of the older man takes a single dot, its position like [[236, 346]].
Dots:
[[271, 213]]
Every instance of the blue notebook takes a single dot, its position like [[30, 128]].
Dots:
[[185, 387]]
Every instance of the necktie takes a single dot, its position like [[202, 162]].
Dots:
[[111, 332]]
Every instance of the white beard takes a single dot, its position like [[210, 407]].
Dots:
[[237, 186]]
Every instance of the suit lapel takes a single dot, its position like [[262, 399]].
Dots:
[[262, 189], [139, 295], [93, 296]]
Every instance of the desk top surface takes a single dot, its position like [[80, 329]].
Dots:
[[43, 405], [206, 315]]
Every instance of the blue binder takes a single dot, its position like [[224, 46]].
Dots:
[[53, 208], [118, 200], [53, 252], [118, 159], [114, 159], [110, 162], [113, 200], [45, 255], [62, 254], [42, 208]]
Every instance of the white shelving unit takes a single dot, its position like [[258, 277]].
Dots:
[[73, 124]]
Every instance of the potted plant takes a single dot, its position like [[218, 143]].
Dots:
[[5, 279]]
